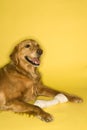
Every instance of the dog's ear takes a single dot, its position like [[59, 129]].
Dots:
[[14, 55]]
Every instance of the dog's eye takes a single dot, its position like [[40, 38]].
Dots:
[[27, 46]]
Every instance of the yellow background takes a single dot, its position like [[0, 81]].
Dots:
[[60, 26]]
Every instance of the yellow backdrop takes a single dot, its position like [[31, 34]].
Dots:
[[60, 26]]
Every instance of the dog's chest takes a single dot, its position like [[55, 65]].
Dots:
[[22, 86], [30, 93], [28, 89]]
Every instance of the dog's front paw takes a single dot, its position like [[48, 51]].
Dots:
[[45, 117], [75, 99]]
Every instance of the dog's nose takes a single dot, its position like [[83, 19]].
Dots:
[[39, 51]]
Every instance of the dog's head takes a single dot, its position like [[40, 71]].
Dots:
[[27, 52]]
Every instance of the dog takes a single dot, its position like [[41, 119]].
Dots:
[[20, 83]]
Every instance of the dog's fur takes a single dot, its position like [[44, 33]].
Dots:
[[20, 82]]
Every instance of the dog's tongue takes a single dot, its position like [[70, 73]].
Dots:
[[36, 61]]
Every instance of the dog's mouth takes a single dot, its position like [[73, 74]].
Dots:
[[34, 61]]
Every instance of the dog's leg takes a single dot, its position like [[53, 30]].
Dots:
[[22, 107]]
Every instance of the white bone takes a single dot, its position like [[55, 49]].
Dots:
[[59, 98]]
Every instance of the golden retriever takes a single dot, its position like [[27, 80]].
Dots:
[[20, 82]]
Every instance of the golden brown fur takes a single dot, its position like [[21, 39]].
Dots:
[[20, 82]]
